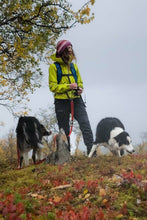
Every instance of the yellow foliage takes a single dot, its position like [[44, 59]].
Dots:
[[85, 11], [85, 191], [92, 2], [8, 149], [28, 30]]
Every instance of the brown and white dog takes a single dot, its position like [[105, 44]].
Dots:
[[29, 133], [111, 133]]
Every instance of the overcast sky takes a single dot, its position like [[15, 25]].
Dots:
[[112, 59]]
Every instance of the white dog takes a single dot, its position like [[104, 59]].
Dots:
[[111, 133]]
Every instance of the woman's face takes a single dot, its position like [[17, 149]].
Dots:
[[69, 49], [68, 55]]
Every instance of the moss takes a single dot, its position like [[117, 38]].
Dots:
[[38, 180]]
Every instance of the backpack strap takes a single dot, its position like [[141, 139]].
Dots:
[[72, 68], [59, 72]]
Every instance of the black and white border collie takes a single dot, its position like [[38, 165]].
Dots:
[[111, 133], [29, 134]]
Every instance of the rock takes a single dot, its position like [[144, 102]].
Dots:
[[61, 154]]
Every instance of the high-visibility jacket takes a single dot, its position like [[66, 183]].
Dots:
[[62, 90]]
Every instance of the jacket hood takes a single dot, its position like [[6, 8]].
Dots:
[[56, 59]]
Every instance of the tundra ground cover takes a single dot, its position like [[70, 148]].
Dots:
[[101, 188]]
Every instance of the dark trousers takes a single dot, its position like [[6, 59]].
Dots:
[[63, 110]]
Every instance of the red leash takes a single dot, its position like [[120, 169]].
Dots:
[[54, 140], [72, 116], [18, 159]]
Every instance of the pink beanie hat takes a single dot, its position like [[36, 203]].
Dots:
[[61, 46]]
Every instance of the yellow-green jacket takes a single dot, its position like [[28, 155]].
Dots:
[[62, 90]]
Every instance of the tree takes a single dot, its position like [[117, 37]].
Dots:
[[28, 29], [8, 147], [48, 118]]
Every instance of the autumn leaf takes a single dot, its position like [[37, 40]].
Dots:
[[85, 191], [87, 196], [102, 192], [37, 196], [57, 199]]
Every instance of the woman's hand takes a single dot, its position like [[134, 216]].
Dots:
[[73, 86], [79, 91]]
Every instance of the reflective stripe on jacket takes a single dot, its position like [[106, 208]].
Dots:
[[62, 89]]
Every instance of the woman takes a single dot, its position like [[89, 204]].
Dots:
[[68, 89]]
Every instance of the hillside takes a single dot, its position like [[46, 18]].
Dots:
[[101, 188]]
